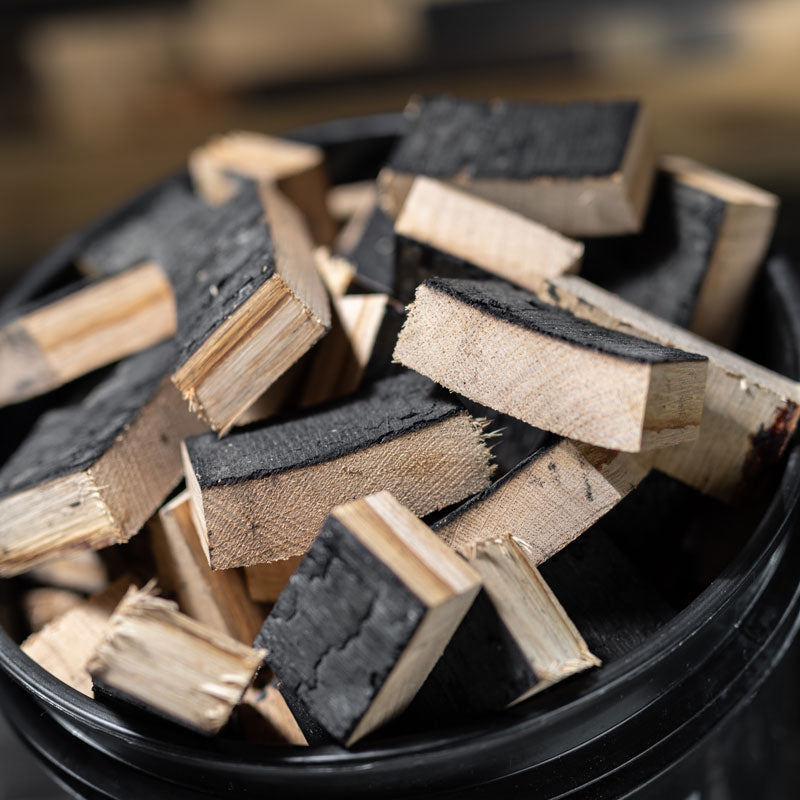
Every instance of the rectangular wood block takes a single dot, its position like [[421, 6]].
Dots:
[[366, 616], [508, 350], [584, 169], [90, 475], [749, 412], [261, 494]]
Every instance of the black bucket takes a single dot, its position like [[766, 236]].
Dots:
[[706, 707]]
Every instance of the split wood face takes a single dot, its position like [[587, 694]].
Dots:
[[584, 169], [261, 494], [444, 232], [547, 500], [749, 413], [515, 640], [93, 325], [697, 256], [147, 632], [366, 616], [507, 350], [90, 475]]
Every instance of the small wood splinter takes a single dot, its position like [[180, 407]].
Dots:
[[366, 616], [146, 633], [506, 349]]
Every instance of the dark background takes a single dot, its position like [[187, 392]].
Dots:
[[98, 99]]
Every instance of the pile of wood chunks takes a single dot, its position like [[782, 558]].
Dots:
[[372, 430]]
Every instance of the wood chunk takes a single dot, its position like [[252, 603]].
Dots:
[[366, 616], [281, 396], [372, 251], [94, 325], [146, 633], [83, 571], [608, 598], [261, 494], [64, 646], [515, 640], [584, 169], [252, 307], [265, 582], [43, 605], [348, 200], [749, 415], [695, 261], [547, 500], [217, 599], [504, 348], [265, 717], [90, 475], [440, 227], [337, 273], [363, 333], [296, 168]]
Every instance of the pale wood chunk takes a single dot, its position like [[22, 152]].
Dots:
[[749, 414], [347, 200], [260, 495], [64, 646], [89, 476], [217, 599], [233, 350], [515, 640], [336, 272], [584, 169], [366, 616], [297, 169], [547, 500], [265, 717], [83, 571], [94, 325], [518, 355], [441, 226], [43, 605], [209, 671], [265, 582]]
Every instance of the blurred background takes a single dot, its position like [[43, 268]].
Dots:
[[101, 97]]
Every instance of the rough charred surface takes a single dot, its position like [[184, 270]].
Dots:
[[517, 307], [338, 629], [780, 317], [662, 269], [605, 595], [386, 409], [380, 362], [71, 439], [505, 140], [416, 263], [482, 669], [142, 232], [373, 254]]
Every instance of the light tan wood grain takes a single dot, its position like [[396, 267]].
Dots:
[[336, 272], [41, 606], [265, 582], [92, 326], [217, 599], [749, 414], [578, 392], [270, 719], [549, 500]]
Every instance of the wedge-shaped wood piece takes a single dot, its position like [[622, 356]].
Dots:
[[265, 582], [366, 616], [750, 413], [261, 494], [337, 273], [445, 232], [65, 645], [348, 200], [359, 346], [704, 239], [90, 475], [548, 499], [43, 605], [89, 327], [265, 717], [584, 169], [83, 571], [217, 599], [147, 637], [254, 304], [297, 169], [506, 349], [515, 640]]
